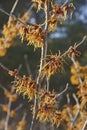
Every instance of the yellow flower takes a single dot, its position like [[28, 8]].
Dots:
[[11, 30], [3, 52], [74, 79], [5, 107], [58, 15], [27, 87], [47, 110], [54, 62], [33, 34], [11, 97], [21, 125], [12, 113], [56, 118]]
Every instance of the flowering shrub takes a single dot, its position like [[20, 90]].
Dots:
[[45, 103]]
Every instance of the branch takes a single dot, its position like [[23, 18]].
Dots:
[[66, 88], [12, 10], [34, 113], [84, 126], [77, 69], [8, 115], [43, 55], [27, 64], [5, 68], [18, 107], [68, 110], [66, 52], [9, 105], [78, 111], [13, 16], [65, 3], [84, 38]]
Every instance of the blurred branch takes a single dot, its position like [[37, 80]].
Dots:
[[27, 64], [66, 88], [78, 111], [68, 109], [12, 10], [13, 16], [18, 107], [9, 105], [65, 3], [84, 126], [84, 38], [5, 68]]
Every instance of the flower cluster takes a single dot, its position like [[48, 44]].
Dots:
[[54, 62], [27, 87], [82, 72], [11, 97], [59, 14], [5, 109], [33, 34], [9, 32], [21, 125], [47, 109]]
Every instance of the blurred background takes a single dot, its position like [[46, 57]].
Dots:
[[65, 35]]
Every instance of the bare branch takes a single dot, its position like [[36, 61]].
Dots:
[[84, 38], [18, 107], [13, 16], [78, 111], [84, 126], [27, 64], [5, 68], [68, 109], [12, 10], [65, 3], [66, 88], [9, 105], [8, 115], [34, 112]]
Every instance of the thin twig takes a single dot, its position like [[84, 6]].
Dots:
[[9, 105], [24, 116], [47, 85], [78, 111], [65, 3], [34, 113], [8, 115], [5, 68], [13, 16], [84, 38], [18, 107], [58, 95], [12, 10], [84, 126], [27, 64], [68, 109], [66, 52], [44, 47]]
